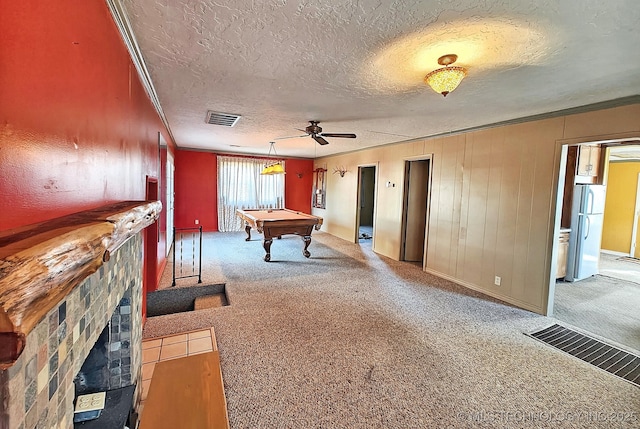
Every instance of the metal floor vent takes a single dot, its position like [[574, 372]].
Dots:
[[224, 119], [611, 359]]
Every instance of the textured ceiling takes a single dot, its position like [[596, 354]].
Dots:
[[357, 65]]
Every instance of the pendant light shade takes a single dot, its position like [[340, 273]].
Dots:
[[278, 169], [273, 167], [445, 79]]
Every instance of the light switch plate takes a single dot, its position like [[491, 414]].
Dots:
[[91, 402]]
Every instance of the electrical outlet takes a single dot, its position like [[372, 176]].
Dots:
[[497, 280], [197, 221], [91, 402]]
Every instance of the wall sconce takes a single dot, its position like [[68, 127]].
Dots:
[[340, 170]]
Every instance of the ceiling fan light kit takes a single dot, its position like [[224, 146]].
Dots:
[[446, 79]]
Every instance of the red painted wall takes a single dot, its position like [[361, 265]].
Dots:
[[77, 129], [196, 191], [196, 188], [297, 190]]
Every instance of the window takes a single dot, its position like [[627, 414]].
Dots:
[[240, 186]]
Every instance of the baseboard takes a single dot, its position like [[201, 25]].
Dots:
[[510, 300], [614, 253], [160, 271]]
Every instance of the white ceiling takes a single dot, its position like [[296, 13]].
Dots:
[[357, 65], [625, 153]]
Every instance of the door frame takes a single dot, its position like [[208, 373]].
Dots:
[[560, 161], [151, 239], [403, 228], [170, 197], [636, 216], [375, 202]]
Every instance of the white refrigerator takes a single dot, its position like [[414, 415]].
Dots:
[[587, 212]]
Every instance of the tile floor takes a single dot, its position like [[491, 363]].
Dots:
[[175, 346]]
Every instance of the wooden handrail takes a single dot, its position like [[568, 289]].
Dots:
[[41, 263]]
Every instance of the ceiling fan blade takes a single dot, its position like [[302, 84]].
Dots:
[[346, 136], [319, 139], [291, 137]]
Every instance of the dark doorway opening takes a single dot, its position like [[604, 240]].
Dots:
[[415, 210], [151, 238], [366, 203]]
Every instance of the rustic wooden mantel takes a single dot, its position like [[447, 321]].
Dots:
[[41, 263]]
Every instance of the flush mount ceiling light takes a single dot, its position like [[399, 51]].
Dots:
[[272, 167], [445, 79]]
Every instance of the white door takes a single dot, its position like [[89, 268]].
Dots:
[[170, 199]]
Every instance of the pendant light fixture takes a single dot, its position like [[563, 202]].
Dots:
[[273, 167], [446, 79]]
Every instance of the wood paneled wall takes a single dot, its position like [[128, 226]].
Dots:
[[493, 200]]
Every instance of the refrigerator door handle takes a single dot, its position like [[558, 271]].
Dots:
[[588, 226]]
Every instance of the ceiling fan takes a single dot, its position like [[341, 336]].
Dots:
[[315, 131]]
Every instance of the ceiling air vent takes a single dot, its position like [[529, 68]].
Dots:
[[224, 119]]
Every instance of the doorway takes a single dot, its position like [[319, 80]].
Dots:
[[366, 204], [635, 249], [417, 178], [151, 238], [606, 302], [170, 201], [167, 173]]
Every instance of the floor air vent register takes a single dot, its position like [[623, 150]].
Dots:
[[611, 359]]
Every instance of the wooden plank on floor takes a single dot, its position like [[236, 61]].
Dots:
[[186, 393], [208, 301]]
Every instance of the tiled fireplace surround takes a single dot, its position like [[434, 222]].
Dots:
[[39, 387]]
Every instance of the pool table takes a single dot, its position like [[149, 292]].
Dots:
[[278, 222]]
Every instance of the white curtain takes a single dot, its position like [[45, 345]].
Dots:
[[240, 186]]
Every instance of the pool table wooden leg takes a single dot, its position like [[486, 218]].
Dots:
[[267, 248], [307, 241], [247, 229]]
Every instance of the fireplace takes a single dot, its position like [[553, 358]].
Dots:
[[41, 384], [108, 365], [38, 388]]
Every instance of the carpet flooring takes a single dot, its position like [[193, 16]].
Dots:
[[350, 339], [581, 304], [622, 268]]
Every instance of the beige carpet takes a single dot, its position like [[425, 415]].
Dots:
[[349, 339], [619, 267], [605, 306]]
